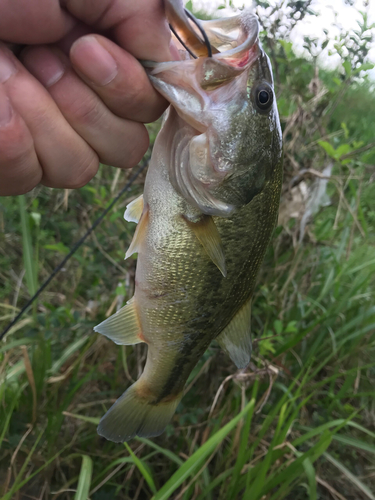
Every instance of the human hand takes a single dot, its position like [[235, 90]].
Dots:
[[82, 99]]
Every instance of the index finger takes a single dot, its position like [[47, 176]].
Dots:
[[25, 22], [140, 26]]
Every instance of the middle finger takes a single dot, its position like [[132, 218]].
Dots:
[[117, 141], [117, 77]]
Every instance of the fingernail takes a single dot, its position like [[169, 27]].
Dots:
[[6, 111], [44, 65], [7, 68], [93, 60]]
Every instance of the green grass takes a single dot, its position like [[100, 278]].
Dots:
[[307, 397], [297, 424]]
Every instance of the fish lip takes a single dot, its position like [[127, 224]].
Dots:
[[179, 21], [239, 56], [250, 26], [206, 38]]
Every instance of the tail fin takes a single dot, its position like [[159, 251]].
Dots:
[[134, 415]]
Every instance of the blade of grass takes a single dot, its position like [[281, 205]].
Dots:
[[28, 259], [17, 481], [355, 443], [351, 477], [10, 410], [15, 371], [109, 470], [241, 457], [199, 456], [35, 473], [311, 477], [167, 453], [296, 467], [262, 472], [16, 343], [142, 468], [71, 349], [84, 418], [215, 482], [84, 481]]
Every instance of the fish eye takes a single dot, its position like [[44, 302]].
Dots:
[[263, 97]]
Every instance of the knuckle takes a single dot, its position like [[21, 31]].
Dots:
[[16, 144], [127, 98], [86, 170], [26, 187], [88, 111], [19, 177], [154, 113], [139, 101], [15, 189], [136, 93], [138, 148]]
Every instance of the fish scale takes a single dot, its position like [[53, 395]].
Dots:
[[209, 208]]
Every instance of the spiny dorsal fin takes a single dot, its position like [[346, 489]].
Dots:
[[208, 235], [235, 339], [139, 234], [134, 210], [123, 327]]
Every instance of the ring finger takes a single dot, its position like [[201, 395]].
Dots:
[[65, 158]]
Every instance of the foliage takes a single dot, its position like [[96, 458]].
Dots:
[[299, 422]]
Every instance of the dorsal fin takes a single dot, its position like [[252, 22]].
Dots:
[[122, 327], [235, 339], [139, 234], [134, 210], [208, 235]]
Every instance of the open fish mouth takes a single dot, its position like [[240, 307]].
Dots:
[[234, 35], [226, 46]]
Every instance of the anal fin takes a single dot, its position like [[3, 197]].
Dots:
[[235, 339], [122, 327], [134, 210], [139, 234], [208, 235]]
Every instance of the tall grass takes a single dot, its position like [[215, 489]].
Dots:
[[307, 398]]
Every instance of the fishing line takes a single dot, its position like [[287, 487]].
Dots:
[[204, 34], [205, 37], [182, 42], [74, 249]]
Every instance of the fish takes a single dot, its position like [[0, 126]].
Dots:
[[205, 219]]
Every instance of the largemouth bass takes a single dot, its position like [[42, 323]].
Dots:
[[209, 207]]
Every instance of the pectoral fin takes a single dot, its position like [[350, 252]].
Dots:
[[139, 234], [123, 327], [208, 235], [134, 210], [235, 339]]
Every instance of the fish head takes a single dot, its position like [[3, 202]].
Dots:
[[231, 141]]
